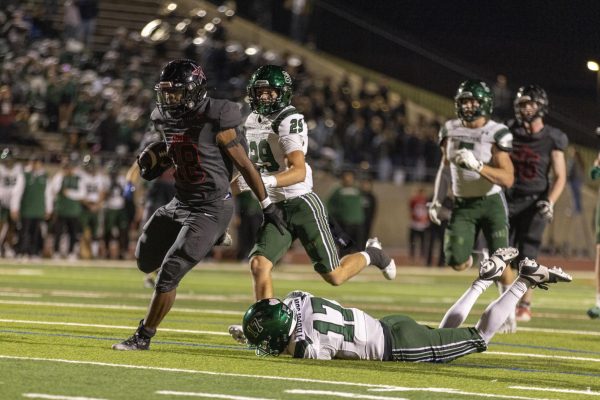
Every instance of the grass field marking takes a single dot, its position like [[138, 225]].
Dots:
[[209, 395], [587, 392], [343, 394], [15, 294], [116, 307], [505, 353], [408, 389], [57, 397], [18, 321], [22, 272], [201, 372]]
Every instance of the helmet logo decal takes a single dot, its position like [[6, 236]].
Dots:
[[254, 327], [198, 72]]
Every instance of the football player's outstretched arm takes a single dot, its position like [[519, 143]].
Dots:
[[229, 141], [500, 171]]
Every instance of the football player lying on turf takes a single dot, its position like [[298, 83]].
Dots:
[[306, 326]]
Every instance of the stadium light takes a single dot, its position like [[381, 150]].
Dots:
[[593, 66]]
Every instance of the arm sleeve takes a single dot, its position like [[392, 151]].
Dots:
[[561, 141], [293, 133], [503, 139], [230, 116]]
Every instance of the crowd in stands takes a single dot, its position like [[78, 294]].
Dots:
[[100, 102]]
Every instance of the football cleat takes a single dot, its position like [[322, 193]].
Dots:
[[237, 333], [594, 312], [539, 275], [493, 267], [135, 342], [385, 263], [225, 240], [523, 314]]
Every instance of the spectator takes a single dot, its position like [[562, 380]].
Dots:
[[419, 222], [11, 190], [64, 194], [503, 99], [33, 209], [369, 206], [345, 207]]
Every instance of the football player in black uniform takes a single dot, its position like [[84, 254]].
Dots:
[[537, 149], [202, 142]]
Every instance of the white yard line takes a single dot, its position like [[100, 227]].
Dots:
[[548, 356], [269, 377], [20, 321], [57, 397], [587, 392], [209, 395], [407, 389], [115, 307], [343, 394], [217, 312]]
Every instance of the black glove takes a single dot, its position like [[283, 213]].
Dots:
[[272, 214]]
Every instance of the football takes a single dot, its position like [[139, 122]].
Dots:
[[154, 160]]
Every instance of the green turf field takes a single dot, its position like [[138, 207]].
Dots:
[[57, 324]]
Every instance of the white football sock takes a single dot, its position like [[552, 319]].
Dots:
[[499, 310], [460, 310]]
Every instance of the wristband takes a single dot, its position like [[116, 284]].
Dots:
[[265, 203]]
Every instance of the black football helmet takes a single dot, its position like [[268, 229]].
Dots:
[[181, 89], [526, 94]]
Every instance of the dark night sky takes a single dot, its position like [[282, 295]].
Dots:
[[530, 41]]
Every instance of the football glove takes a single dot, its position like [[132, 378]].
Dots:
[[272, 214], [433, 209], [237, 333], [546, 209], [466, 159]]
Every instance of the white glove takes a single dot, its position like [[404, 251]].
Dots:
[[269, 181], [546, 209], [466, 159], [237, 334], [433, 209]]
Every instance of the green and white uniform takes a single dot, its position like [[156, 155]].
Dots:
[[270, 139], [479, 204], [12, 183], [325, 330]]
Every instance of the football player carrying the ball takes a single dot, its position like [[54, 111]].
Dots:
[[202, 141]]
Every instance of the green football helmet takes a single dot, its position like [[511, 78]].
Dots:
[[478, 90], [268, 325], [274, 77]]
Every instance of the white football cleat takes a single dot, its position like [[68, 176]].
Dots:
[[493, 267], [385, 263], [540, 275]]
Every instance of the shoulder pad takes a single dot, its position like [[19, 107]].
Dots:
[[283, 115]]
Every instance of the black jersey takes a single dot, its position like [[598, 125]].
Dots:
[[202, 169], [531, 157]]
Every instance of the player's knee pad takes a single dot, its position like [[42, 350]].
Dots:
[[164, 286]]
